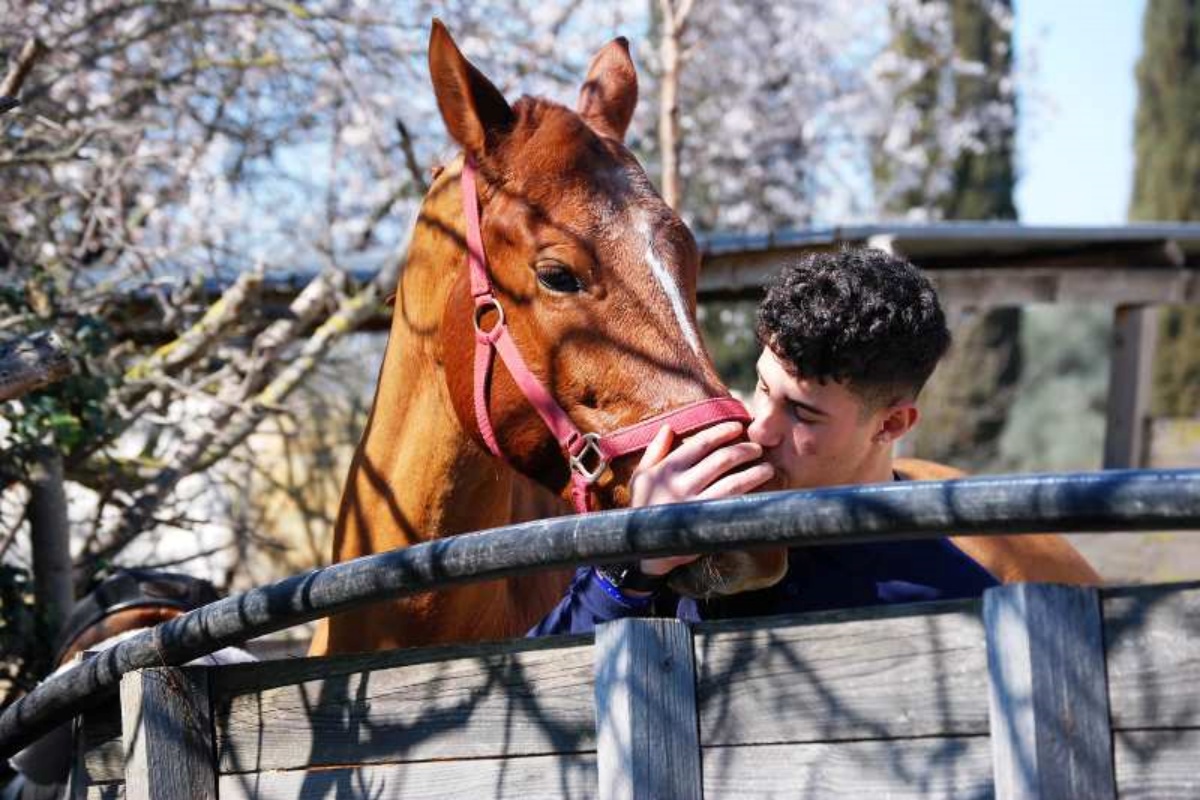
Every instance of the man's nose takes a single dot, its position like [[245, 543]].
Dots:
[[764, 428]]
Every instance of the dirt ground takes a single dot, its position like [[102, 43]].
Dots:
[[1125, 558]]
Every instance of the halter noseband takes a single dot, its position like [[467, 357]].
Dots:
[[587, 453]]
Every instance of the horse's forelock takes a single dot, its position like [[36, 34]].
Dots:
[[550, 149]]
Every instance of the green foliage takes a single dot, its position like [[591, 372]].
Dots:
[[981, 177], [968, 403], [984, 179], [1176, 382], [728, 330], [1058, 419], [22, 661], [1166, 182], [73, 414]]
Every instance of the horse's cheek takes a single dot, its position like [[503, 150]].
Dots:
[[456, 348]]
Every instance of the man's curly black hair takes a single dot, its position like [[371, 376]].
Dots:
[[859, 316]]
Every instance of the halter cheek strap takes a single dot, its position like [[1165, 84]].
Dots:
[[587, 453]]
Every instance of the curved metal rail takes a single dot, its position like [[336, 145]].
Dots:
[[1091, 502]]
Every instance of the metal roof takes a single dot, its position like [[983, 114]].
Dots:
[[957, 238], [986, 263]]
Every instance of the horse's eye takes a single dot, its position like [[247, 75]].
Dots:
[[559, 279]]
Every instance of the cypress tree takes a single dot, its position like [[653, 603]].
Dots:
[[983, 181], [967, 404], [1166, 182]]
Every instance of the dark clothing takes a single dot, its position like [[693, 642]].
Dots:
[[818, 579]]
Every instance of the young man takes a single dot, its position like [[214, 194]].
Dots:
[[849, 339]]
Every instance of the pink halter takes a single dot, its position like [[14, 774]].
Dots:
[[579, 447]]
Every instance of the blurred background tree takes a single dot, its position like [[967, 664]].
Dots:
[[1166, 184], [967, 405]]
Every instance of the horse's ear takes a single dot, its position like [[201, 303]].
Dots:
[[609, 93], [474, 111]]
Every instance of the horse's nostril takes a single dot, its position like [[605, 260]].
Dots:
[[589, 399]]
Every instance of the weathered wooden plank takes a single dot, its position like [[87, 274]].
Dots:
[[533, 702], [884, 673], [535, 778], [1048, 698], [1157, 765], [957, 768], [167, 733], [647, 743], [1129, 384], [1152, 638], [236, 679]]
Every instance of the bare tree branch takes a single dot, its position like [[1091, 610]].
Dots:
[[196, 340], [420, 184], [32, 363], [669, 139], [229, 426], [33, 50], [352, 313]]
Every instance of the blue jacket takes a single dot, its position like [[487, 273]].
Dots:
[[818, 579]]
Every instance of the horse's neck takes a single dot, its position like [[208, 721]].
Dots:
[[417, 475]]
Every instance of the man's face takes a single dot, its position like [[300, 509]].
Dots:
[[814, 434]]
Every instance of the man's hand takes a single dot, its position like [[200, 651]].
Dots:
[[696, 470]]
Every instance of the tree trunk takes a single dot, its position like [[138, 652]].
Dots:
[[51, 541], [669, 142]]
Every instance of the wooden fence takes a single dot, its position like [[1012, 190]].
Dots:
[[1038, 691]]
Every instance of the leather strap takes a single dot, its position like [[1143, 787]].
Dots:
[[588, 454]]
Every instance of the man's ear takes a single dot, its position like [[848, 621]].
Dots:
[[609, 93], [475, 112], [898, 420]]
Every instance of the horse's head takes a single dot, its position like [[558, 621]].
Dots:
[[596, 279]]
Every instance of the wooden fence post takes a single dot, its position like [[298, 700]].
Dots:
[[1050, 728], [648, 740], [166, 727], [1131, 372]]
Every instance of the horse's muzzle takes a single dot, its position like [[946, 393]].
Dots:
[[730, 573]]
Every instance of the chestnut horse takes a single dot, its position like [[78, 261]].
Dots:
[[1041, 558], [596, 277]]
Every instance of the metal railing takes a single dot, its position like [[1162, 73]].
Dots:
[[1117, 501]]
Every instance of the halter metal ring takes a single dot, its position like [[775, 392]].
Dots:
[[481, 308], [591, 444]]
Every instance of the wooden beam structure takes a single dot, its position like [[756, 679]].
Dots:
[[1131, 374], [981, 265], [975, 265]]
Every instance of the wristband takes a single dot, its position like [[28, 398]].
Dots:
[[629, 575]]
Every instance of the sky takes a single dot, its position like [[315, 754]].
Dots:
[[1077, 61]]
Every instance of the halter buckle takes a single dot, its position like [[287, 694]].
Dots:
[[591, 444], [483, 305]]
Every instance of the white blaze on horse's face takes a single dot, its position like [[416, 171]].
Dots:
[[670, 287]]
